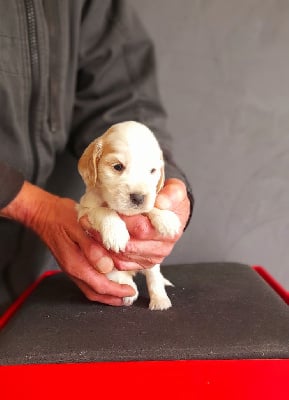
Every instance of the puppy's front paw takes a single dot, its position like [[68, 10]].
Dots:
[[124, 277], [160, 303], [114, 234], [166, 222], [128, 301]]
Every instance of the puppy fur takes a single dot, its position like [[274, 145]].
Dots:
[[123, 170]]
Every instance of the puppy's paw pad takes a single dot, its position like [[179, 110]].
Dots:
[[166, 223], [160, 303]]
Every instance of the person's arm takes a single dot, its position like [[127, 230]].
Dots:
[[116, 82], [54, 219]]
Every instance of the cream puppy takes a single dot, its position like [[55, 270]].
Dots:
[[123, 171]]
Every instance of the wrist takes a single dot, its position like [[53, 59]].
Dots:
[[26, 206]]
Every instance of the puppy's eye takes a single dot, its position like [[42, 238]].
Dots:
[[153, 171], [118, 167]]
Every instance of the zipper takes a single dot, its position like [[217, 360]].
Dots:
[[35, 80], [53, 25]]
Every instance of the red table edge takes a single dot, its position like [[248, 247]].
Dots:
[[284, 294], [21, 299], [204, 379]]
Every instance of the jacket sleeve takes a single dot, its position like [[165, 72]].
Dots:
[[11, 182], [117, 79]]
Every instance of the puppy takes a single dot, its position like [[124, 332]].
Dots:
[[123, 171]]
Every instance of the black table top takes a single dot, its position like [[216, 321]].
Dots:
[[220, 311]]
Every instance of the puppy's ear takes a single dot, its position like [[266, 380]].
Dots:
[[162, 177], [87, 164]]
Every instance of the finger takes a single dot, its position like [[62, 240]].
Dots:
[[91, 295], [140, 255], [108, 287], [157, 249], [175, 198], [143, 263], [95, 253], [85, 223], [74, 263], [97, 256], [126, 265], [173, 193], [140, 227], [99, 284], [172, 197]]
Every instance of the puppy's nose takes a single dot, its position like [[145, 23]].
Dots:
[[137, 198]]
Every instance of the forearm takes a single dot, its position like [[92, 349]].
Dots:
[[54, 219]]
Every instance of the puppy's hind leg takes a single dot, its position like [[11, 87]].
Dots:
[[124, 277], [156, 282]]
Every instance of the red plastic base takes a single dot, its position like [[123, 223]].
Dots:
[[243, 379], [213, 379]]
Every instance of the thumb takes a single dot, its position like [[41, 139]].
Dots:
[[171, 194]]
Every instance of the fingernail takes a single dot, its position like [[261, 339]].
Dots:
[[104, 265]]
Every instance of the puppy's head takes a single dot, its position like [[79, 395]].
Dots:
[[125, 165]]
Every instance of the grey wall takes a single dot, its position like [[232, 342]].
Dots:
[[224, 79]]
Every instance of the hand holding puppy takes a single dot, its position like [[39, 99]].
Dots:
[[54, 220], [146, 246]]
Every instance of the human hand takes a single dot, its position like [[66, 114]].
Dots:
[[146, 246], [54, 219]]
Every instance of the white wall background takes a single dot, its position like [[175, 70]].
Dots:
[[224, 79]]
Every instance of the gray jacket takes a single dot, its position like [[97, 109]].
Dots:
[[68, 70]]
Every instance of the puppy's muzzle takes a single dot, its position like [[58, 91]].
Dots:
[[137, 199]]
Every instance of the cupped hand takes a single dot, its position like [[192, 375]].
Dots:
[[54, 219], [146, 246]]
